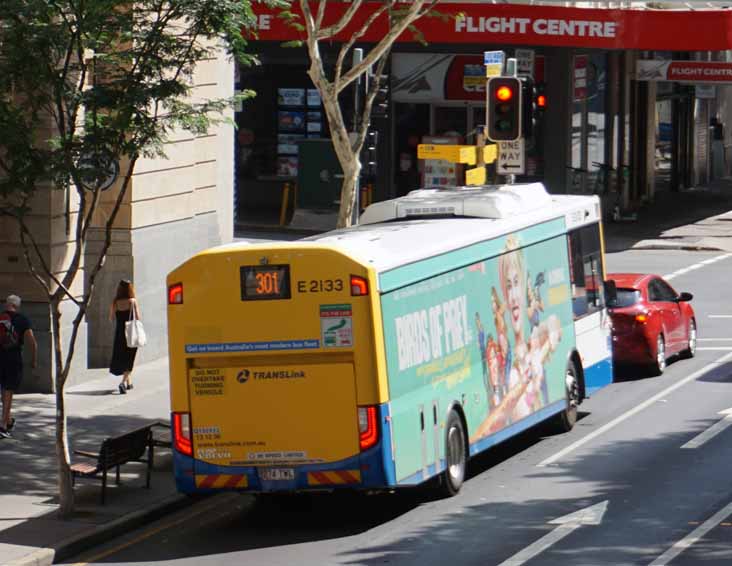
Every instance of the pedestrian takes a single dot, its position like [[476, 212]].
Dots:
[[15, 332], [120, 311]]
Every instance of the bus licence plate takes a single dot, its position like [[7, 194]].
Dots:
[[277, 474]]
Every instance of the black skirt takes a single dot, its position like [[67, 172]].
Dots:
[[123, 358]]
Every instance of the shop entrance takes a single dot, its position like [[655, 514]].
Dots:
[[415, 121]]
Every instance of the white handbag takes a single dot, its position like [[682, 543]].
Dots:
[[134, 331]]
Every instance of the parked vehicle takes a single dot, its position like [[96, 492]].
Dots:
[[651, 321]]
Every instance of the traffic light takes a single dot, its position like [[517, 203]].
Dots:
[[369, 155], [380, 108], [528, 106], [541, 101], [504, 108]]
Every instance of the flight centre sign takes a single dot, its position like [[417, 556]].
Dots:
[[717, 72], [536, 26], [518, 24]]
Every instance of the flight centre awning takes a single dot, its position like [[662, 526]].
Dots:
[[522, 24]]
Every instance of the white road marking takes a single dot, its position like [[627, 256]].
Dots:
[[588, 516], [714, 339], [712, 431], [696, 266], [716, 348], [647, 403], [720, 316], [693, 536]]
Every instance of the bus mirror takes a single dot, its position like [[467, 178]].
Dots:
[[611, 292]]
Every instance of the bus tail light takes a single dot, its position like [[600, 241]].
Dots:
[[175, 294], [368, 427], [359, 286], [641, 317], [182, 433]]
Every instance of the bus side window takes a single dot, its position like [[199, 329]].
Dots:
[[586, 270], [593, 283], [577, 275]]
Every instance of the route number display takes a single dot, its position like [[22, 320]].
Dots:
[[263, 282]]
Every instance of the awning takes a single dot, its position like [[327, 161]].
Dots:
[[521, 24]]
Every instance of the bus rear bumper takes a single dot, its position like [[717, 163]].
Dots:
[[362, 472]]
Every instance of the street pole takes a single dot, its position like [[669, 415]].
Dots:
[[511, 71]]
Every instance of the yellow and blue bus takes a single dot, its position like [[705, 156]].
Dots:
[[386, 354]]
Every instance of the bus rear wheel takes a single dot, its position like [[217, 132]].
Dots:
[[456, 457], [566, 420]]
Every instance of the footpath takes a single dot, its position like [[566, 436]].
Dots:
[[31, 534]]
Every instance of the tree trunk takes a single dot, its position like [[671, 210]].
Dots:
[[346, 153], [65, 489], [348, 196]]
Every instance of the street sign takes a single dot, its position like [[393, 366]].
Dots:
[[475, 176], [525, 62], [511, 157], [494, 62], [456, 153], [705, 91], [451, 153]]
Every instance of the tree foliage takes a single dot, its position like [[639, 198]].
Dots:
[[84, 83]]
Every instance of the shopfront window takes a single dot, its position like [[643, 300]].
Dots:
[[596, 131], [588, 168], [285, 112]]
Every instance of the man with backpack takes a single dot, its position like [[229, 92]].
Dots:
[[15, 331]]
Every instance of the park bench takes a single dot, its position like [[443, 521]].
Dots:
[[164, 440], [115, 451]]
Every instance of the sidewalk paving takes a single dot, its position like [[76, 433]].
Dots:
[[695, 219], [30, 532]]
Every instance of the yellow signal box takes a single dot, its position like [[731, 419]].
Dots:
[[456, 153], [490, 153], [451, 153], [475, 176]]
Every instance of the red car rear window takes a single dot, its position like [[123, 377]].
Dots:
[[625, 298]]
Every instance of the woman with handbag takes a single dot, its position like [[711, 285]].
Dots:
[[125, 311]]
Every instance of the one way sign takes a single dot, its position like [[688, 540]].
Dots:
[[511, 157]]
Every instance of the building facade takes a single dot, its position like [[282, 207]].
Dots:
[[606, 129], [173, 208]]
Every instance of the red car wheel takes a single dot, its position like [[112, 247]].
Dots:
[[660, 363], [690, 341]]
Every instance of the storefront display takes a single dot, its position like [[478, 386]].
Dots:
[[438, 172], [298, 116]]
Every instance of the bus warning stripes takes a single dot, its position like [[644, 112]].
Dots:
[[334, 477], [213, 481]]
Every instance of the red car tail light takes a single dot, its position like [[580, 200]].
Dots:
[[623, 323]]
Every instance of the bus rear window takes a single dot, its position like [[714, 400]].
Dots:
[[625, 298], [263, 282]]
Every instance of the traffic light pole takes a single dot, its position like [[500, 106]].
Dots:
[[512, 71], [480, 143]]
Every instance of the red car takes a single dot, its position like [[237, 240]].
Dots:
[[651, 321]]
